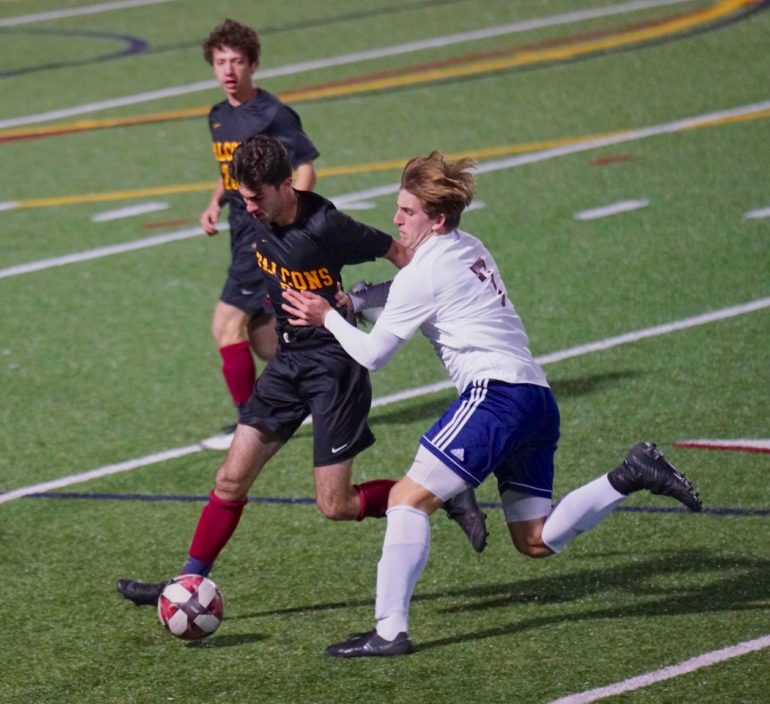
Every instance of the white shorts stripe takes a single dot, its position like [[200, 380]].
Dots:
[[461, 417]]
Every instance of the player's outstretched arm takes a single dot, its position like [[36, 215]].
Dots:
[[372, 350], [399, 255]]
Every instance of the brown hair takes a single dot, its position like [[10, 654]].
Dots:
[[235, 36], [443, 187], [260, 160]]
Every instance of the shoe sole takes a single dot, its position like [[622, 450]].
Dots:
[[687, 494]]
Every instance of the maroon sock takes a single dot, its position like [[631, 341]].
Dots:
[[217, 523], [239, 371], [374, 497]]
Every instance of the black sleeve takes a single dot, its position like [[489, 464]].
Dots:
[[352, 242], [286, 127]]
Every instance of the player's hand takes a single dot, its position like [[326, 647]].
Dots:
[[307, 309], [342, 299], [209, 218]]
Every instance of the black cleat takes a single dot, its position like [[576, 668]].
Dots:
[[370, 644], [466, 512], [645, 467], [141, 593]]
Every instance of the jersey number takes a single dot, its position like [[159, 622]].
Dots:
[[479, 267]]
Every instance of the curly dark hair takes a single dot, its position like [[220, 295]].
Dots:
[[233, 35], [260, 160]]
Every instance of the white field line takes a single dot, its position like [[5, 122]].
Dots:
[[342, 201], [343, 59], [605, 211], [757, 214], [600, 345], [557, 356], [130, 211], [76, 12], [667, 673], [106, 251], [105, 471]]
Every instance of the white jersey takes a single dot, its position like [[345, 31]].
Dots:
[[452, 292]]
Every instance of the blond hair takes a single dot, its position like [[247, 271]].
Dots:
[[443, 187]]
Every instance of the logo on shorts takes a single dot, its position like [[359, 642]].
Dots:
[[459, 453], [340, 448]]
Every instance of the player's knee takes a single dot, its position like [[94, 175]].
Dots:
[[230, 488], [228, 325], [334, 508], [531, 545]]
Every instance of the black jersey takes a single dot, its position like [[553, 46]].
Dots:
[[309, 255], [265, 115]]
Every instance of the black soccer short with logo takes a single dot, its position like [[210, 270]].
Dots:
[[322, 381]]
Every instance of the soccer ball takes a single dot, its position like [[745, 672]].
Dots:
[[191, 607]]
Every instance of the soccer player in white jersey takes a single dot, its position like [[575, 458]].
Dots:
[[505, 421]]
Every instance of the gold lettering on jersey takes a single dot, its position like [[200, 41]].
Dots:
[[223, 152], [312, 280], [229, 182], [266, 265]]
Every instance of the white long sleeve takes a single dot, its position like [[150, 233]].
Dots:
[[371, 350]]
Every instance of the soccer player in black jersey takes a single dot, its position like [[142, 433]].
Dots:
[[243, 317], [303, 243]]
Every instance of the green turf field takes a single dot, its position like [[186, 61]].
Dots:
[[106, 355]]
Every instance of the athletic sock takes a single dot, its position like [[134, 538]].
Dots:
[[216, 524], [579, 511], [405, 551], [239, 371], [194, 566], [374, 497]]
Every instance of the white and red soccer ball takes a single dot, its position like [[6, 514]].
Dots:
[[191, 607]]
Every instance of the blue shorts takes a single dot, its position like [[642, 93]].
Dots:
[[509, 429]]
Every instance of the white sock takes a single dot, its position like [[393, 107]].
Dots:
[[404, 555], [579, 511]]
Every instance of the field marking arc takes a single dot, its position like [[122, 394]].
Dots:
[[557, 356], [473, 65], [344, 59], [77, 12]]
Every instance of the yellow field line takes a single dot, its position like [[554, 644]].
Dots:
[[114, 195], [389, 165], [675, 25]]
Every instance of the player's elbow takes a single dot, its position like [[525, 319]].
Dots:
[[373, 361]]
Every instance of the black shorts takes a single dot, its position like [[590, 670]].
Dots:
[[245, 287], [323, 381]]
